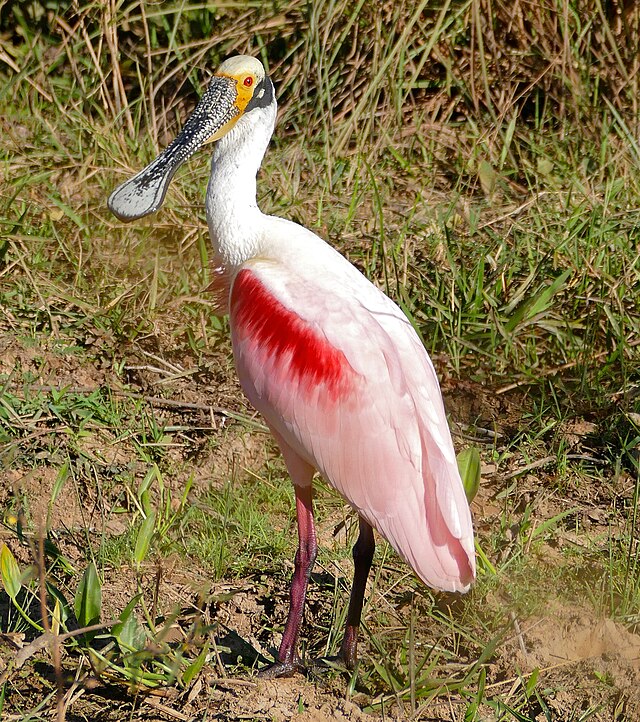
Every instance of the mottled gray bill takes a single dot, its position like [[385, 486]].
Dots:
[[145, 192]]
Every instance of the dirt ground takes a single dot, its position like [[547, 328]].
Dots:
[[588, 664]]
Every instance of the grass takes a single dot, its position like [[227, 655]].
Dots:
[[478, 161]]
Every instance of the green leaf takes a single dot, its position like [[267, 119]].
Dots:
[[487, 177], [469, 467], [88, 599], [52, 551], [191, 672], [130, 635], [143, 540], [10, 572], [543, 528], [58, 485], [60, 600], [56, 617], [484, 563], [471, 713], [126, 612], [544, 166], [537, 304], [128, 632], [532, 681], [508, 137]]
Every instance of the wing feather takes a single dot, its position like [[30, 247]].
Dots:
[[353, 392]]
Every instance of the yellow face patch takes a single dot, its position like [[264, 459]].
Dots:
[[246, 72], [245, 84], [244, 87]]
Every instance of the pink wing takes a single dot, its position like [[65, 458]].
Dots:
[[341, 377]]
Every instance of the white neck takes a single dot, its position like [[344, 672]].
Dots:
[[232, 211]]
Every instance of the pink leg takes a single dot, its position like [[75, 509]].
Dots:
[[288, 660], [362, 558]]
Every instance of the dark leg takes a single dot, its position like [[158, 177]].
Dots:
[[362, 558], [288, 660]]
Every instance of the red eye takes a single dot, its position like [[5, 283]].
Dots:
[[248, 82]]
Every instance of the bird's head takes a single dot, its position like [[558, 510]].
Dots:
[[239, 87]]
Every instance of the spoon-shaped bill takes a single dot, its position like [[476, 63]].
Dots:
[[145, 192]]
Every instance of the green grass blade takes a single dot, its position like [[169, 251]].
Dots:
[[88, 599]]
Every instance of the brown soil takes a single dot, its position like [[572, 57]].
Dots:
[[584, 661]]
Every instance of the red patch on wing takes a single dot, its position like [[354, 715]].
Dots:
[[278, 335]]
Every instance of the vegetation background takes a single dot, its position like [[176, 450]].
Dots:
[[478, 159]]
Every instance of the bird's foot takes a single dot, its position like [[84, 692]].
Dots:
[[282, 669], [316, 667], [348, 653]]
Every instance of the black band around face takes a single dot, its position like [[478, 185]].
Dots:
[[262, 95]]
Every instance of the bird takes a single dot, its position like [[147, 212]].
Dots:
[[331, 363]]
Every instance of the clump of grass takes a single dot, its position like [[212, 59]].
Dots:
[[476, 91]]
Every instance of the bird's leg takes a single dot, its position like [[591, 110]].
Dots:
[[362, 558], [288, 660]]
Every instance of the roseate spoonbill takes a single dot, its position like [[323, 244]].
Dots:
[[332, 364]]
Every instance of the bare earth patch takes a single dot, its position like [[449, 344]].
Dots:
[[584, 661]]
